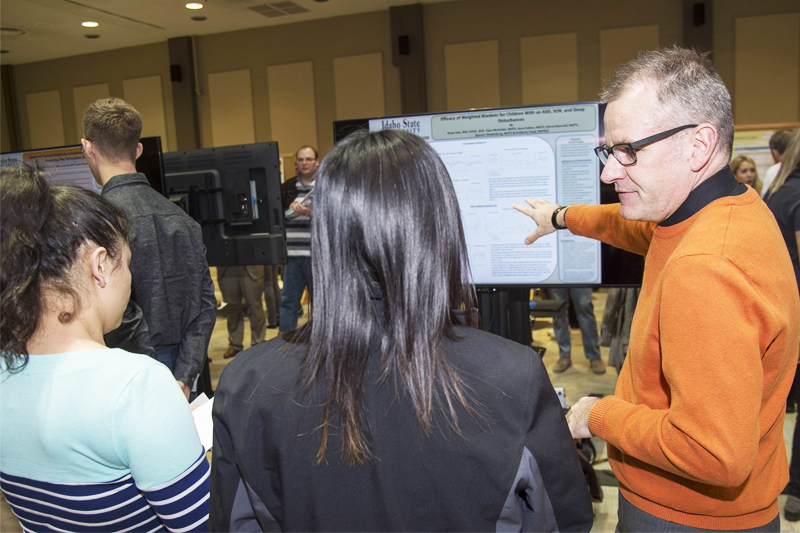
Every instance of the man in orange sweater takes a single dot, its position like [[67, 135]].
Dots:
[[695, 426]]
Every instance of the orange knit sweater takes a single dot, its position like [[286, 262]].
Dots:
[[695, 427]]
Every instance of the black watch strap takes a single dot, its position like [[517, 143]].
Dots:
[[555, 215]]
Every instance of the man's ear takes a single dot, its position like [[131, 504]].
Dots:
[[704, 144], [139, 149], [100, 263], [88, 148]]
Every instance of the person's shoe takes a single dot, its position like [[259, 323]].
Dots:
[[562, 364], [272, 326], [230, 352], [597, 366], [791, 510]]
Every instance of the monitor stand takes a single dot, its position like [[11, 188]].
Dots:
[[506, 312]]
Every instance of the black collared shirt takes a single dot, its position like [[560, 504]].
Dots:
[[720, 185]]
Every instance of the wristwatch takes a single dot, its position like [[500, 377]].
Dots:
[[554, 218]]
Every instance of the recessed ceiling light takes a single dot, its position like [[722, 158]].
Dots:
[[90, 24], [194, 5], [11, 32], [199, 18]]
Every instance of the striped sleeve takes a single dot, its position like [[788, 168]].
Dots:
[[182, 504], [101, 507]]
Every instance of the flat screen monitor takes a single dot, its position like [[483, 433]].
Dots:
[[498, 157], [64, 164], [234, 192], [151, 162]]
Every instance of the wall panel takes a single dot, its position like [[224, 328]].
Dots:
[[147, 96], [549, 65], [231, 99], [619, 45], [767, 69], [45, 122], [85, 96], [292, 106], [359, 86], [472, 72]]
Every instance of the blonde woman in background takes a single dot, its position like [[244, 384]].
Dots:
[[744, 168]]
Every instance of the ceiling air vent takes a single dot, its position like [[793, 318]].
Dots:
[[290, 8], [278, 9]]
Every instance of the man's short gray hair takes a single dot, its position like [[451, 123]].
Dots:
[[688, 87]]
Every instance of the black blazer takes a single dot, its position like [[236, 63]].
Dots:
[[517, 469]]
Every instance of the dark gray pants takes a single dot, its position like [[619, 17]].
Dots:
[[632, 519]]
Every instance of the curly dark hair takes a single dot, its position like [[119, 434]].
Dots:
[[42, 229]]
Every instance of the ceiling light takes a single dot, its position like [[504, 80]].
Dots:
[[11, 32], [194, 5], [90, 24]]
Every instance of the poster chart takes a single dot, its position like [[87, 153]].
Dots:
[[755, 145], [65, 165], [496, 158]]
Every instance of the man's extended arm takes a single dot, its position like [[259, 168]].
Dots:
[[194, 344], [601, 222]]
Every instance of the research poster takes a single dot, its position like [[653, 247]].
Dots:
[[499, 157], [64, 165]]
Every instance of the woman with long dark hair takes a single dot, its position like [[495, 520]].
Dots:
[[389, 409], [91, 438], [783, 199]]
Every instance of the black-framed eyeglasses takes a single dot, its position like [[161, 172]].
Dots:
[[626, 152]]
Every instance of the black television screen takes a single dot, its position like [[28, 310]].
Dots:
[[498, 157], [151, 162], [64, 164], [234, 193]]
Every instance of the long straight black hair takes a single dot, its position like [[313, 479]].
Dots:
[[388, 263]]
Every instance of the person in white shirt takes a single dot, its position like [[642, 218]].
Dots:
[[777, 145]]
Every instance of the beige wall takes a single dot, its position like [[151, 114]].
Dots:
[[5, 142], [725, 14], [775, 37], [319, 41], [549, 66], [47, 126], [472, 75], [113, 67], [507, 22], [82, 98], [292, 107], [230, 99]]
